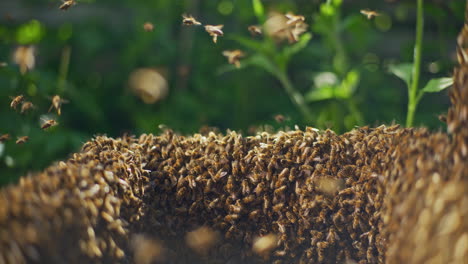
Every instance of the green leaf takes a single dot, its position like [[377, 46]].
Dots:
[[348, 85], [259, 10], [250, 43], [320, 94], [288, 51], [437, 85], [402, 71], [31, 32]]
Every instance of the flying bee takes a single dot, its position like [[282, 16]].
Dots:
[[16, 101], [294, 19], [369, 13], [148, 27], [67, 4], [4, 137], [22, 140], [26, 106], [234, 56], [48, 123], [57, 104], [214, 31], [279, 118], [188, 20], [255, 30]]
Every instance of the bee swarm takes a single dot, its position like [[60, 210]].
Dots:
[[372, 195]]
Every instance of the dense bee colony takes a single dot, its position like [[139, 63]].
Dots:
[[372, 195]]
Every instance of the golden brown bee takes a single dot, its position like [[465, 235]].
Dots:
[[188, 20], [57, 104], [234, 56], [253, 216], [148, 27], [16, 101], [294, 19], [22, 140], [48, 123], [231, 218], [67, 4], [278, 207], [255, 30], [26, 106], [214, 31], [4, 137], [369, 13], [248, 199]]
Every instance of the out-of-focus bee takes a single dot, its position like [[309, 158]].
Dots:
[[148, 27], [234, 56], [22, 140], [255, 30], [4, 137], [16, 101], [3, 64], [67, 4], [294, 19], [25, 57], [443, 118], [188, 20], [369, 13], [48, 123], [279, 118], [57, 104], [214, 31], [26, 106], [264, 245]]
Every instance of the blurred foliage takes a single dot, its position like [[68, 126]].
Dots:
[[87, 53]]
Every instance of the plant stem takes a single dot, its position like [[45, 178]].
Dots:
[[295, 96], [63, 70], [413, 91]]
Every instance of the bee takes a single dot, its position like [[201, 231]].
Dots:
[[255, 30], [279, 118], [148, 27], [248, 199], [4, 137], [234, 56], [26, 106], [67, 4], [16, 101], [188, 20], [265, 244], [280, 190], [214, 31], [369, 13], [48, 123], [294, 20], [253, 216], [231, 218], [3, 64], [278, 207], [22, 140], [25, 57], [443, 118], [57, 103]]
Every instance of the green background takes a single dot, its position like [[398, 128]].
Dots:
[[107, 43]]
